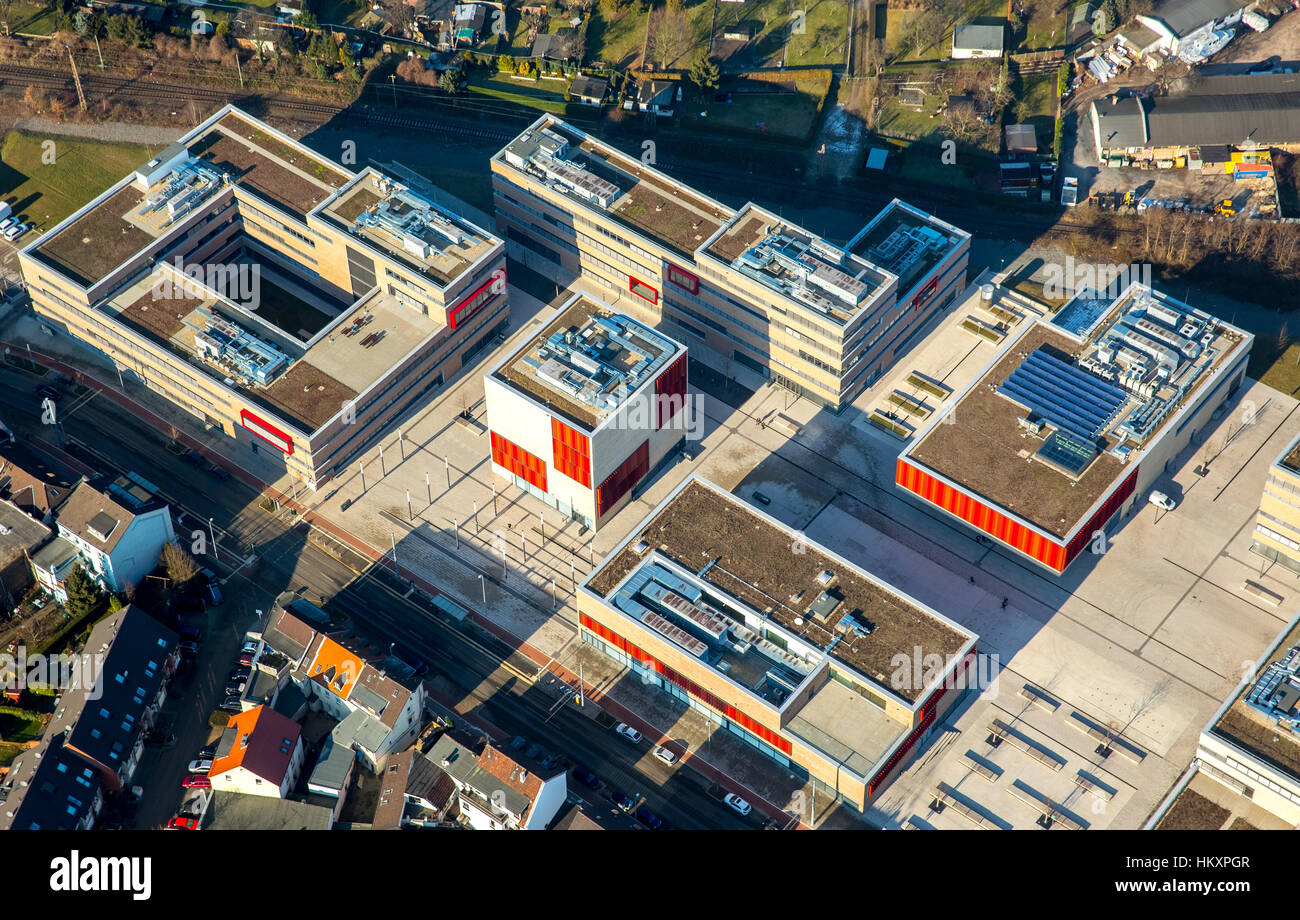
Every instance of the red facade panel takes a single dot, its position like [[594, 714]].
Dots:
[[266, 431], [713, 701], [528, 467], [1051, 553], [621, 481], [670, 393], [974, 512], [572, 450], [476, 301]]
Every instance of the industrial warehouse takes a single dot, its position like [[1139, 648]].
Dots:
[[755, 295], [586, 410], [1253, 112], [297, 307], [1074, 419], [793, 648]]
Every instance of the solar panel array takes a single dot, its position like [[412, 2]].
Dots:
[[1068, 398]]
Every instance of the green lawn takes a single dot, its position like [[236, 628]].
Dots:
[[544, 95], [82, 169], [822, 43], [8, 752], [616, 42], [339, 12], [773, 19], [1277, 369], [898, 120], [787, 115], [1046, 27], [16, 729], [1039, 94], [31, 19]]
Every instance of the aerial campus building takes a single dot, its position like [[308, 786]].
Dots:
[[297, 307], [816, 663], [1074, 419], [1252, 744], [743, 289], [1277, 527], [587, 409]]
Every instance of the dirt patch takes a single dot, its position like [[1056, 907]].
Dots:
[[1193, 812]]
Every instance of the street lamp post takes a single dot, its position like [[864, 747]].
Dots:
[[393, 539], [446, 465], [382, 470], [213, 534], [476, 524], [409, 516], [428, 489], [361, 466], [455, 525], [483, 588]]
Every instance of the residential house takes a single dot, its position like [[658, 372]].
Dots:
[[583, 816], [33, 482], [495, 790], [657, 96], [341, 676], [20, 536], [588, 90], [1021, 139], [93, 742], [259, 753], [977, 40], [333, 771], [468, 23], [560, 45], [414, 792], [116, 545], [233, 811]]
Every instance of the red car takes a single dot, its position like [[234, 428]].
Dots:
[[196, 781], [246, 660], [183, 823]]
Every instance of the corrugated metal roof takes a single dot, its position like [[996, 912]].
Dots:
[[1201, 118], [1186, 16]]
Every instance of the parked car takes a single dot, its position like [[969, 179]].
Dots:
[[208, 750], [649, 819], [159, 739], [665, 755], [250, 647], [189, 646], [1161, 500], [586, 777], [624, 801], [236, 688], [49, 392], [761, 498], [237, 674], [16, 231], [183, 823], [7, 223], [218, 472], [200, 765], [232, 704], [214, 595], [246, 659], [628, 732], [192, 457], [193, 633], [196, 781], [737, 803]]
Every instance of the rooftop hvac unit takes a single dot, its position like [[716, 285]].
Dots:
[[416, 246], [1033, 426]]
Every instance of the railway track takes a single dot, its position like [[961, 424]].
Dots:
[[962, 212]]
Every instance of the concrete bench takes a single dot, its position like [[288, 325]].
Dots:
[[912, 824], [1002, 731], [1259, 592], [980, 767], [1039, 698], [1044, 806], [1090, 784], [1101, 736], [946, 796]]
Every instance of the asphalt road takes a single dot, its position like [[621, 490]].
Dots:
[[104, 436]]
